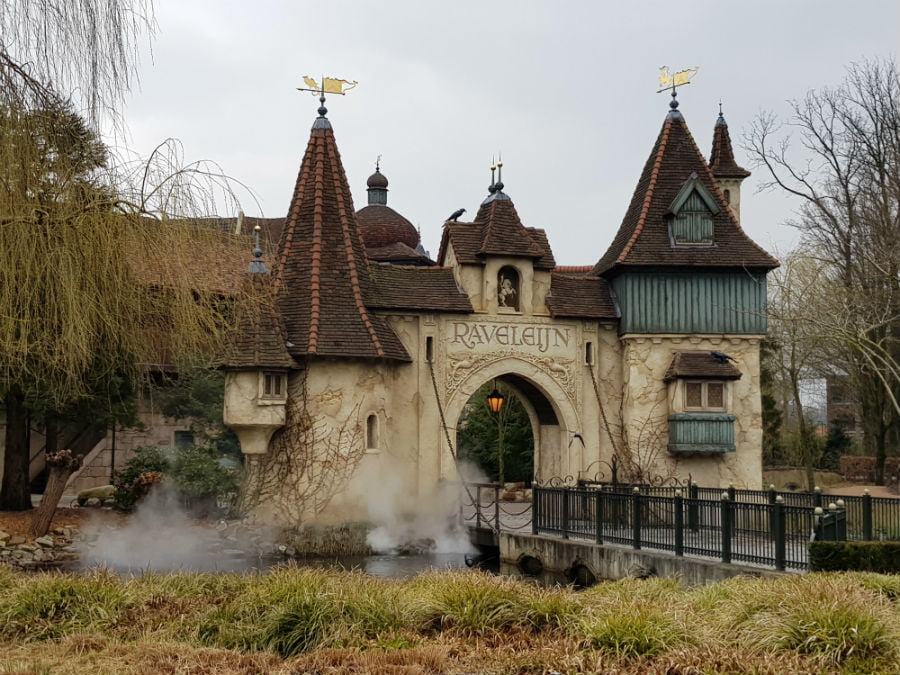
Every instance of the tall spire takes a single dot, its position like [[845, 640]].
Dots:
[[721, 158], [323, 277]]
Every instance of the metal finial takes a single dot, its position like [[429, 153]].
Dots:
[[257, 266], [673, 104], [720, 107], [378, 164], [324, 111], [491, 187], [500, 171]]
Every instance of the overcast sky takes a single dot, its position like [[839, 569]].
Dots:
[[565, 90]]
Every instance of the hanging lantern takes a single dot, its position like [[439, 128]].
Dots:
[[495, 401]]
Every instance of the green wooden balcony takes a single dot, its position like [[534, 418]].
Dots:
[[701, 432]]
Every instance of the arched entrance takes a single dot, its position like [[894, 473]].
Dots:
[[552, 414]]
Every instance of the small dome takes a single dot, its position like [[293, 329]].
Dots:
[[381, 226], [377, 181]]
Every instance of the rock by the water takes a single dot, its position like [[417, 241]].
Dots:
[[101, 494], [46, 542], [93, 502]]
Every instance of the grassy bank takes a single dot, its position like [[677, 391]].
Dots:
[[298, 620]]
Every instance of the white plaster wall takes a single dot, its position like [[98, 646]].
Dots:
[[648, 402]]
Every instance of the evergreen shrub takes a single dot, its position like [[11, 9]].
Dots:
[[863, 556]]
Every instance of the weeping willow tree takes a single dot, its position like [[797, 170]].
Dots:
[[86, 48], [103, 273]]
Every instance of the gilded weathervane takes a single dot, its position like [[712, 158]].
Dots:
[[668, 80], [327, 85]]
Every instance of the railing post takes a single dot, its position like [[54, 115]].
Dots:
[[831, 523], [868, 529], [496, 508], [678, 505], [841, 521], [694, 508], [726, 528], [817, 492], [565, 513], [773, 498], [598, 515], [478, 506], [535, 510], [778, 531], [636, 517]]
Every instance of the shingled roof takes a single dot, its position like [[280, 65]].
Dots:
[[323, 275], [643, 237], [721, 158], [423, 289], [577, 295], [701, 365], [259, 338], [498, 231]]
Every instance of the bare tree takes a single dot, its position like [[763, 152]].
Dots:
[[309, 461], [839, 154]]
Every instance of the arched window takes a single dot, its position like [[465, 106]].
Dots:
[[372, 432], [508, 288]]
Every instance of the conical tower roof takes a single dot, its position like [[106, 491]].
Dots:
[[496, 231], [323, 277], [721, 159], [643, 239]]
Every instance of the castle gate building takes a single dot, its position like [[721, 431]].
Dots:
[[370, 351]]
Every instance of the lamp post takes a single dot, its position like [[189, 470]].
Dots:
[[495, 405]]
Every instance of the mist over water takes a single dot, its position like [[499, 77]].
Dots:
[[161, 537], [428, 522]]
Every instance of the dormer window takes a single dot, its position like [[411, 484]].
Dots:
[[691, 215]]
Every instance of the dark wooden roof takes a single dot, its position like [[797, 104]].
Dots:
[[700, 365], [425, 289], [496, 231], [643, 237], [322, 273], [721, 158], [574, 295]]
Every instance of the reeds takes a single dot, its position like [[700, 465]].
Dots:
[[297, 619]]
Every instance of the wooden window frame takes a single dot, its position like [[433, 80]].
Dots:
[[704, 396], [273, 385]]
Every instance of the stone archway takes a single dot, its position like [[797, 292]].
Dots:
[[552, 415]]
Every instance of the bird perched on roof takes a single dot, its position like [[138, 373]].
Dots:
[[456, 214], [722, 358]]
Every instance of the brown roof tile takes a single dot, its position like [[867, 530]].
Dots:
[[496, 230], [322, 273], [643, 237], [587, 297], [701, 365], [721, 158], [425, 289], [399, 254], [381, 226], [259, 337]]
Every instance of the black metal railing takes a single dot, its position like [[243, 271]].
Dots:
[[757, 527]]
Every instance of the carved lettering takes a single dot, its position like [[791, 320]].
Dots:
[[471, 335]]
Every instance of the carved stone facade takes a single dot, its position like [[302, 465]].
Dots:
[[677, 401]]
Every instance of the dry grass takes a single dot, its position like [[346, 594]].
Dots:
[[299, 620]]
